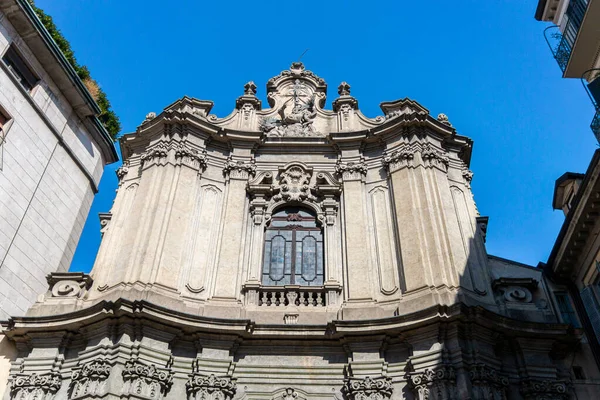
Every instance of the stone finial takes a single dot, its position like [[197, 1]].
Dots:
[[150, 116], [297, 66], [344, 89], [443, 118], [250, 89]]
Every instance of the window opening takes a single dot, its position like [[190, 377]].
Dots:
[[293, 249], [566, 309], [19, 68]]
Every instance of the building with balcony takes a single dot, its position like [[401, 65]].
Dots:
[[53, 150], [298, 252], [574, 39]]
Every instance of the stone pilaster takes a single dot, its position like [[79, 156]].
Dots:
[[230, 253]]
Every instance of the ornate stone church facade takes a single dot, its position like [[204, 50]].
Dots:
[[297, 253]]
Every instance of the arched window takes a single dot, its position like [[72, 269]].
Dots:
[[293, 253]]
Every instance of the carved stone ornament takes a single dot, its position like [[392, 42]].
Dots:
[[443, 118], [68, 284], [201, 387], [487, 383], [352, 170], [186, 155], [295, 120], [294, 184], [239, 169], [434, 384], [468, 176], [404, 157], [146, 381], [379, 388], [534, 389], [122, 171], [289, 394], [149, 117], [155, 155], [517, 290], [90, 378], [34, 386]]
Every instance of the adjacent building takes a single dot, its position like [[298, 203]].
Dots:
[[52, 153], [297, 252], [574, 39]]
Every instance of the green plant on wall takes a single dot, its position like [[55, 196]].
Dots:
[[107, 116]]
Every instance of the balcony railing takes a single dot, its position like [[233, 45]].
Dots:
[[291, 296], [591, 83], [561, 43]]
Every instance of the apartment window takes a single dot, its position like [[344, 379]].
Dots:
[[15, 62], [566, 309], [293, 249]]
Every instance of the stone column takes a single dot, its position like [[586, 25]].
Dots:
[[358, 268], [231, 247]]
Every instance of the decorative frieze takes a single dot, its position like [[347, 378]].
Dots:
[[90, 378], [350, 171], [379, 388], [146, 381], [202, 387], [34, 386], [239, 169], [487, 384], [434, 384], [537, 389]]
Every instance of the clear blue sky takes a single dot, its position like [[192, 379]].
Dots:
[[483, 63]]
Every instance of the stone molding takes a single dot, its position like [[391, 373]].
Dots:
[[202, 387], [404, 157], [351, 171], [68, 284], [379, 388], [34, 386], [487, 383], [434, 384], [90, 378], [239, 169], [538, 389], [146, 381]]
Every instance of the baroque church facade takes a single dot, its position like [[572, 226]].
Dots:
[[298, 253]]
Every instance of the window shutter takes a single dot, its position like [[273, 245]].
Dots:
[[592, 309]]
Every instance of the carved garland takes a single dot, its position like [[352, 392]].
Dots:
[[35, 387], [379, 388]]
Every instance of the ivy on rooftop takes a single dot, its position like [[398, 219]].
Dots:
[[107, 116]]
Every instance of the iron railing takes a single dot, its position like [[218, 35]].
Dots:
[[561, 43], [591, 83]]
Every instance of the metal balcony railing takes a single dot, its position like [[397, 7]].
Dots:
[[561, 43], [591, 83]]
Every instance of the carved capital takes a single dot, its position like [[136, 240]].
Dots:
[[439, 382], [398, 159], [156, 155], [433, 158], [468, 177], [544, 389], [239, 169], [90, 378], [186, 155], [146, 381], [202, 387], [351, 171], [122, 171], [34, 386], [487, 383], [379, 388]]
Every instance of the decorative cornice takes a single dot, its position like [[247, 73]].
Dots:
[[34, 386], [147, 381], [350, 171], [534, 389], [379, 388], [202, 387], [239, 169]]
